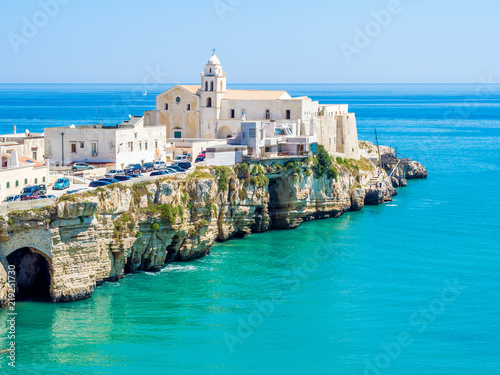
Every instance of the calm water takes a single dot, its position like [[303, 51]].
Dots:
[[368, 293]]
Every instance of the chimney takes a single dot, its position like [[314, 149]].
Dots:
[[14, 129], [14, 160]]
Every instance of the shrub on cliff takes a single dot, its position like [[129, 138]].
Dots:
[[222, 173], [322, 164]]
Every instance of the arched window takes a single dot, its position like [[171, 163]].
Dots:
[[26, 181], [206, 86], [209, 102], [8, 185], [36, 181], [212, 86], [43, 179], [17, 183], [221, 87]]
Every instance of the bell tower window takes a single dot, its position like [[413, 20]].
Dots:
[[206, 86], [209, 102], [212, 86]]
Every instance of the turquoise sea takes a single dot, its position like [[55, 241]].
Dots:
[[411, 287]]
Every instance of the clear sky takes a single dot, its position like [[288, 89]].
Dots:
[[258, 41]]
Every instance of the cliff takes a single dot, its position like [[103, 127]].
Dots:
[[86, 239]]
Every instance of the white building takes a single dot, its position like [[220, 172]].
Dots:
[[127, 143], [29, 144], [213, 111], [18, 171]]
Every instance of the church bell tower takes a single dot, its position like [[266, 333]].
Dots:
[[213, 89]]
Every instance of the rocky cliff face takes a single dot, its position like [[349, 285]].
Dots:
[[101, 235]]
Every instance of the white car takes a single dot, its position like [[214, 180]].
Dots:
[[160, 165], [114, 172], [12, 198]]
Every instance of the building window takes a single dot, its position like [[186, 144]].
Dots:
[[43, 179], [145, 145], [156, 144], [135, 135], [251, 133], [177, 134], [212, 86], [268, 114], [206, 86], [188, 107], [36, 181], [8, 185], [73, 148], [221, 87], [209, 102], [288, 114], [232, 114], [34, 155], [26, 181], [131, 146], [94, 148], [17, 183], [140, 146], [166, 106], [82, 145]]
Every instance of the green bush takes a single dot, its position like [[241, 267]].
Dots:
[[139, 234], [322, 164], [155, 227]]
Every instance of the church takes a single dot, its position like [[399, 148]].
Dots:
[[212, 111]]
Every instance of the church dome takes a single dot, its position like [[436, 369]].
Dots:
[[214, 60]]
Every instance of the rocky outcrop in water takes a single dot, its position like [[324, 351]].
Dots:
[[86, 239]]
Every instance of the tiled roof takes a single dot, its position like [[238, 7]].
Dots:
[[191, 88]]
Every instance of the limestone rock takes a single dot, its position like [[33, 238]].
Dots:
[[415, 171]]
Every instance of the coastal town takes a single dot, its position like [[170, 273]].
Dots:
[[206, 125]]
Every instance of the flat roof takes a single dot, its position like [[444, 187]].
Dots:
[[227, 148]]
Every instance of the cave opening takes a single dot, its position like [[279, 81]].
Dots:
[[32, 274]]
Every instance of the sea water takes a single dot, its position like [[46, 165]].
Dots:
[[409, 287]]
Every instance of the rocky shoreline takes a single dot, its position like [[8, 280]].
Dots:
[[87, 239]]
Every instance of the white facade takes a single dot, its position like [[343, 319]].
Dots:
[[19, 171], [29, 144], [213, 111], [128, 143]]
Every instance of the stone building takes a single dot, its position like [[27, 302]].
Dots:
[[211, 111]]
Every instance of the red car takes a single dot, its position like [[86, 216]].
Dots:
[[29, 198]]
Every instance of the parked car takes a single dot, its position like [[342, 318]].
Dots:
[[123, 178], [114, 172], [61, 184], [147, 167], [12, 198], [29, 198], [46, 196], [30, 191], [160, 164], [176, 168], [159, 173], [81, 167], [99, 183], [199, 159], [43, 188], [110, 180], [135, 175], [133, 169], [185, 165], [182, 158]]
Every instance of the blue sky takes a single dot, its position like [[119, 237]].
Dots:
[[293, 41]]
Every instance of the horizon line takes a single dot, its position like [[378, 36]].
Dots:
[[247, 83]]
